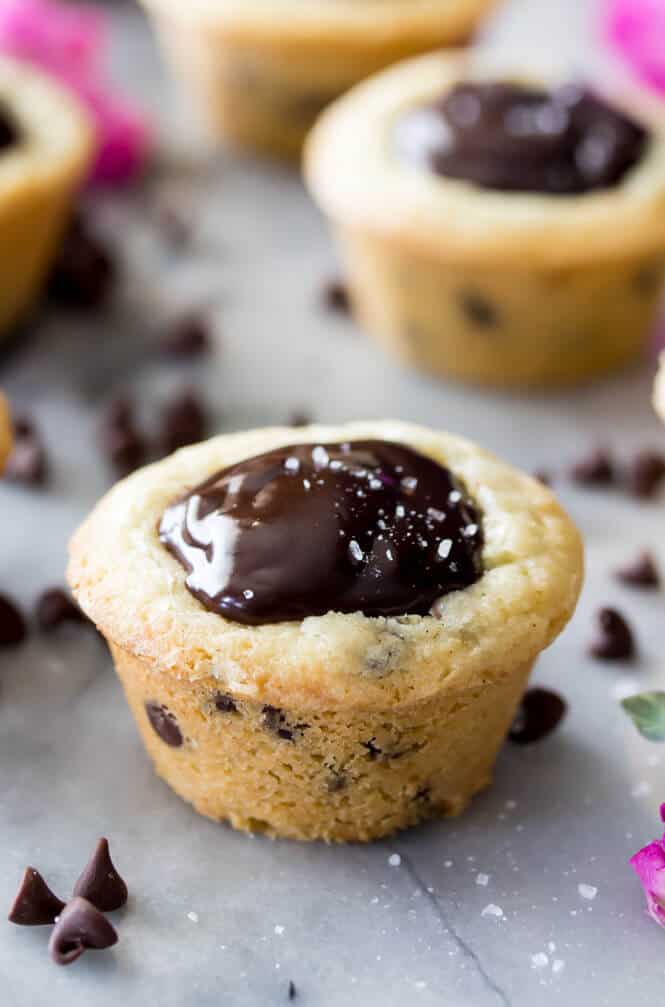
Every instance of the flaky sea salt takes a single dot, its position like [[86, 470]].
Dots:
[[279, 930], [492, 910], [558, 965], [194, 917], [587, 891], [394, 860], [539, 960], [482, 879]]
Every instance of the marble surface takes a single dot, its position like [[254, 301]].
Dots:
[[216, 917]]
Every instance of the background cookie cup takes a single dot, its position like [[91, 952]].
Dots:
[[503, 288], [339, 727], [5, 431], [39, 174], [262, 71]]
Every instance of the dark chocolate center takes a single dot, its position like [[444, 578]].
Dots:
[[518, 139], [367, 526], [9, 131]]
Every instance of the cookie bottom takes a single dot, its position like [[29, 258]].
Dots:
[[502, 326], [339, 775]]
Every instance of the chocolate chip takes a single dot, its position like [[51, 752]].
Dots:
[[293, 992], [188, 337], [373, 750], [274, 720], [80, 928], [119, 438], [597, 469], [10, 133], [84, 270], [27, 463], [614, 641], [183, 422], [299, 419], [645, 475], [54, 607], [35, 904], [336, 781], [224, 703], [336, 297], [478, 310], [13, 628], [640, 572], [164, 724], [543, 477], [173, 224], [540, 712], [100, 883]]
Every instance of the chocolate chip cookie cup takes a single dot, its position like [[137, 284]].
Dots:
[[45, 151], [262, 71], [6, 438], [494, 231], [328, 639]]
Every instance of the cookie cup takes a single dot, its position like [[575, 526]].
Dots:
[[39, 176], [261, 72], [340, 727], [491, 287], [6, 438]]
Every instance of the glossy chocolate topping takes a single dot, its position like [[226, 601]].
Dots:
[[518, 139], [367, 526], [9, 131]]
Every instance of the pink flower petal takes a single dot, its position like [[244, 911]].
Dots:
[[636, 30], [649, 865]]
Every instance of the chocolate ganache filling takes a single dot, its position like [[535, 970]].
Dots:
[[366, 526], [9, 131], [521, 139]]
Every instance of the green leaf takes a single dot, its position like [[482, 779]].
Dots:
[[647, 711]]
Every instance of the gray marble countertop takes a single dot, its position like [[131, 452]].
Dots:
[[216, 917]]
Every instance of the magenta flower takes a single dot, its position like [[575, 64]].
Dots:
[[636, 30], [649, 865], [68, 42]]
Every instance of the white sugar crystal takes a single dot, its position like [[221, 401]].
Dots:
[[292, 465], [454, 496], [540, 960], [445, 545], [587, 891], [482, 879], [279, 930], [355, 551], [320, 456], [492, 910], [248, 594], [558, 965], [394, 860], [194, 917]]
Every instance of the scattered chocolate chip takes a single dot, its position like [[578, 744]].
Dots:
[[164, 724], [225, 703], [54, 607], [27, 463], [615, 639], [79, 928], [336, 297], [183, 422], [373, 750], [645, 475], [597, 469], [478, 310], [35, 904], [100, 882], [299, 419], [424, 794], [539, 713], [10, 134], [274, 720], [119, 438], [188, 337], [641, 572], [173, 224], [13, 628], [543, 477], [293, 992], [336, 781], [84, 270]]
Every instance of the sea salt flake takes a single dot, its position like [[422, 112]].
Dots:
[[292, 465], [558, 965], [279, 930], [641, 789], [482, 879], [320, 456], [194, 917], [587, 891], [445, 545], [492, 910], [394, 860], [539, 960]]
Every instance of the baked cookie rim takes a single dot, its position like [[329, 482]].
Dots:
[[534, 562]]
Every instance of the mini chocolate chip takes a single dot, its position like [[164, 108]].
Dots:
[[336, 781], [27, 463], [100, 882], [119, 438], [35, 904], [80, 928], [274, 720], [13, 628], [645, 475], [84, 270], [539, 713], [615, 639], [543, 477], [55, 607], [187, 337], [424, 794], [293, 992], [171, 220], [225, 703], [164, 724], [478, 310], [336, 297], [597, 469], [183, 422], [640, 572], [299, 419], [373, 750]]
